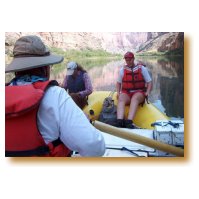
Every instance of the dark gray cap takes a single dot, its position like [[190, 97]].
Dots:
[[30, 52]]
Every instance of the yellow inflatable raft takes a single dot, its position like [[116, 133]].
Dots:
[[145, 116]]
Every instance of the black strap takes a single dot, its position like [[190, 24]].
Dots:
[[53, 83], [133, 77], [39, 151], [56, 142]]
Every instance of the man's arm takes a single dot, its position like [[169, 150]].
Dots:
[[118, 88], [149, 88]]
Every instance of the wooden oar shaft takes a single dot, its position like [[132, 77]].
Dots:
[[139, 139]]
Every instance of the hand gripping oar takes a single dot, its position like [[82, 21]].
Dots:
[[138, 139]]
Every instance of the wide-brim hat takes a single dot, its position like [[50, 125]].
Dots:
[[30, 52]]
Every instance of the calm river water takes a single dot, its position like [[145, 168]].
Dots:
[[167, 74]]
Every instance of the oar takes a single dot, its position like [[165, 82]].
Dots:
[[138, 138]]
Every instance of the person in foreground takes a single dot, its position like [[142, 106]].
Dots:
[[133, 86], [77, 83], [41, 118]]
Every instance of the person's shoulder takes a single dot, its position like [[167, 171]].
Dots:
[[143, 67], [121, 70], [55, 91], [55, 87], [84, 73], [55, 95]]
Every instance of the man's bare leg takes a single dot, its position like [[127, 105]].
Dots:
[[136, 99], [122, 101]]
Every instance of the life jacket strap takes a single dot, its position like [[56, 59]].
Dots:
[[57, 142], [39, 151]]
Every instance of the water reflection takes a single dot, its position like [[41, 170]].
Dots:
[[104, 77], [168, 84]]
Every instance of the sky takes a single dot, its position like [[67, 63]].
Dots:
[[92, 178]]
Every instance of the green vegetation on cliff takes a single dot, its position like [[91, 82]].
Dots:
[[176, 52], [86, 57], [84, 54]]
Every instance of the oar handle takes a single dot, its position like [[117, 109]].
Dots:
[[138, 139]]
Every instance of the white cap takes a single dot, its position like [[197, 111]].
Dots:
[[71, 66]]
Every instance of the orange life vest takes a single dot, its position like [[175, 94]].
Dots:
[[22, 137], [133, 79]]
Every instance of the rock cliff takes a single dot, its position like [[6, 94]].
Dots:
[[114, 42], [162, 42]]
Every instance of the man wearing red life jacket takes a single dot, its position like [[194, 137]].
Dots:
[[41, 118], [133, 86]]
